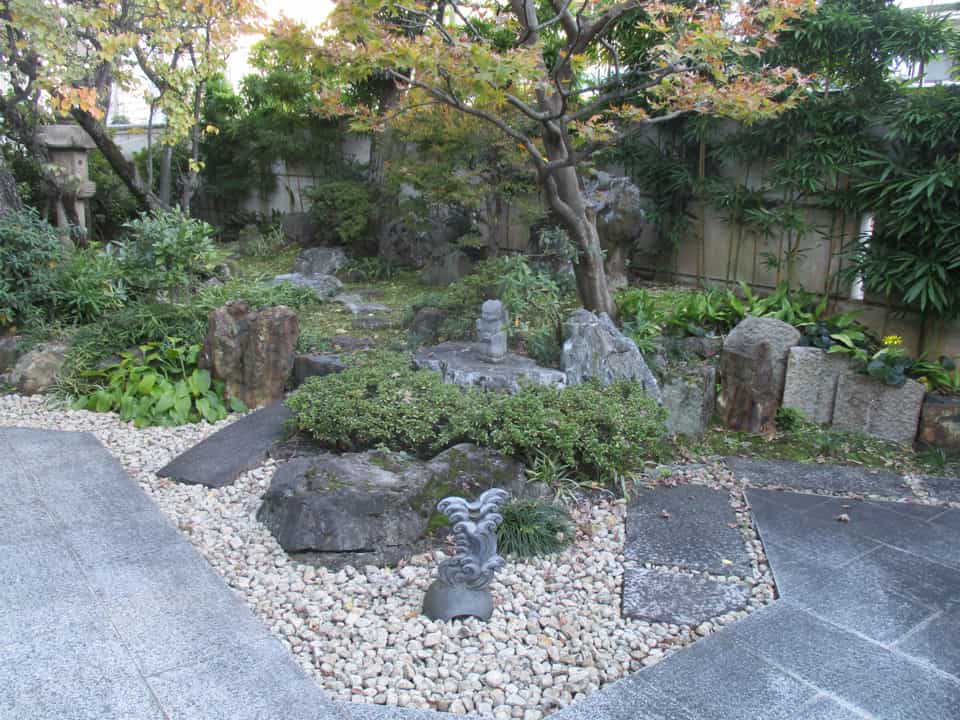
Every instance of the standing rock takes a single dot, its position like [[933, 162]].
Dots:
[[753, 365], [594, 348], [690, 399], [320, 261], [252, 352], [869, 406], [300, 227], [322, 285], [36, 372], [308, 365], [811, 382], [9, 351], [425, 326], [446, 267], [940, 422]]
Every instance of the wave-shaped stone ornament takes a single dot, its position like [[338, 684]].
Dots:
[[461, 588]]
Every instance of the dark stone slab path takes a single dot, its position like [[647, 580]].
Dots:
[[844, 479], [108, 613], [663, 596], [221, 458], [688, 526]]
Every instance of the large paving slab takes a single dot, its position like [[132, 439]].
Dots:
[[688, 526], [221, 458], [107, 612], [945, 489], [843, 479], [659, 595]]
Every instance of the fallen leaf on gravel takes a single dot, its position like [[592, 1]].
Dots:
[[727, 562], [842, 517], [732, 526], [664, 514]]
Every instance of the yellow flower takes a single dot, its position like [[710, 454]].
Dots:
[[892, 340]]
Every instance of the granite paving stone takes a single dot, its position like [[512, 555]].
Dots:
[[627, 699], [106, 594], [845, 479], [364, 711], [689, 526], [662, 596], [937, 642], [730, 683], [258, 681], [825, 708], [241, 446], [881, 681]]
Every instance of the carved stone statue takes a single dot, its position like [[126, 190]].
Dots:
[[492, 331], [461, 588]]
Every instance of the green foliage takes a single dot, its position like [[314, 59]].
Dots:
[[343, 208], [543, 346], [159, 385], [532, 528], [379, 401], [29, 253], [164, 250], [789, 419], [890, 365], [942, 376], [641, 319], [112, 205], [368, 269], [265, 244], [89, 284]]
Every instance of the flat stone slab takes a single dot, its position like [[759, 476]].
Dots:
[[106, 611], [688, 526], [460, 363], [662, 596], [945, 489], [843, 479], [359, 304], [221, 458]]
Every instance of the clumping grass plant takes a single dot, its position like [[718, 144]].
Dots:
[[531, 528]]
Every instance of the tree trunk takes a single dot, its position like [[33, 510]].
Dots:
[[381, 148], [166, 180], [9, 192], [125, 169]]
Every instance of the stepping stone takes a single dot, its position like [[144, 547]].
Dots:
[[668, 597], [308, 365], [843, 479], [687, 526], [373, 322], [242, 446], [358, 304]]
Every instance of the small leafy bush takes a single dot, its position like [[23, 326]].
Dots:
[[531, 528], [160, 385], [29, 254], [789, 419], [368, 269], [88, 285], [640, 318], [344, 207], [165, 250], [942, 376], [380, 401]]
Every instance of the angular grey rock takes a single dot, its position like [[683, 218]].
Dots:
[[690, 400], [252, 352], [446, 268], [324, 285], [753, 367], [594, 348], [461, 364], [36, 371], [811, 382], [241, 446], [666, 597], [869, 406], [308, 365], [300, 227], [374, 507], [320, 261], [426, 324], [9, 351]]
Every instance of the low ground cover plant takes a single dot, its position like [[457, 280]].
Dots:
[[380, 401]]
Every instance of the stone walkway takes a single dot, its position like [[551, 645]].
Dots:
[[107, 612]]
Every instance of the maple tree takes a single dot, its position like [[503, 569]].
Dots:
[[521, 70], [65, 56]]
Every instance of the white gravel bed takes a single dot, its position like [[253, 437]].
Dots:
[[556, 633]]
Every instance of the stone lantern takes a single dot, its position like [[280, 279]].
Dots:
[[68, 147]]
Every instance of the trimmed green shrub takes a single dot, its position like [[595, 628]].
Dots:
[[380, 401], [29, 254], [344, 208], [532, 527], [88, 285], [165, 250]]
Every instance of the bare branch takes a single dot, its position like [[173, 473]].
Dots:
[[430, 20], [466, 21], [598, 103], [633, 129], [602, 24]]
